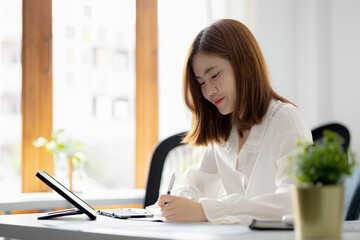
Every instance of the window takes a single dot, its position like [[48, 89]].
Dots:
[[10, 96], [94, 84]]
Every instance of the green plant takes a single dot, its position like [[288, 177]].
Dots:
[[323, 162], [61, 144]]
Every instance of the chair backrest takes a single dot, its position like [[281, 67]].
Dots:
[[169, 155], [352, 196], [156, 166], [317, 133], [351, 183]]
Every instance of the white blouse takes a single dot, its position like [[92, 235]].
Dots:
[[254, 183]]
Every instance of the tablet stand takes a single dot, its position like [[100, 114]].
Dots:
[[60, 213]]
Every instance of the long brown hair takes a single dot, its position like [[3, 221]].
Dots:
[[233, 41]]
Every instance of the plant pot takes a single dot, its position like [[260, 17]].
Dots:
[[318, 211]]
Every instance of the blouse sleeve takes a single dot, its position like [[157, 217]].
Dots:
[[202, 179], [286, 127]]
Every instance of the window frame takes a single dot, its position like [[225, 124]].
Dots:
[[36, 96]]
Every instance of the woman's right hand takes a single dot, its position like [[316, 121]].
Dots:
[[180, 209]]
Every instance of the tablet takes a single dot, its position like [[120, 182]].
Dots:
[[270, 225], [81, 206]]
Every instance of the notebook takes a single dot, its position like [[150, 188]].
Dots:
[[82, 207]]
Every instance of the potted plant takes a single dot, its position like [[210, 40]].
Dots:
[[318, 199], [68, 157]]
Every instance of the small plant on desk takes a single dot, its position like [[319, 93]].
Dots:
[[319, 197]]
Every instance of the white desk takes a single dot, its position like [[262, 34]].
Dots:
[[48, 201], [26, 226]]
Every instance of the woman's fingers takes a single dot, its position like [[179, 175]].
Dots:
[[165, 198]]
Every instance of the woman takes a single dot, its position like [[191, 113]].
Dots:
[[249, 130]]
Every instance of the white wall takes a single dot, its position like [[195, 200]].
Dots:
[[346, 66], [312, 49]]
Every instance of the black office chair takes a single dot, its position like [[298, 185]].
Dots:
[[340, 129], [352, 183], [352, 196], [169, 155], [156, 166]]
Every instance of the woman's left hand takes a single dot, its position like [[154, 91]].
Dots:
[[180, 209]]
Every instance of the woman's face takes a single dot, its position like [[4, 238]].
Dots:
[[216, 77]]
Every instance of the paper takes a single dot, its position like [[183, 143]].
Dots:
[[351, 226], [154, 209]]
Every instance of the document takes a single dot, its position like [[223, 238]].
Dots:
[[351, 226], [154, 209]]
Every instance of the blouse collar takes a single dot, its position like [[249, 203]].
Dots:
[[256, 136]]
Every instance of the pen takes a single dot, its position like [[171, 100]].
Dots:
[[171, 184]]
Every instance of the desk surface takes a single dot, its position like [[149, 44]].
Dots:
[[26, 226]]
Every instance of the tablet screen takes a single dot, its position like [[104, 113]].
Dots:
[[67, 194]]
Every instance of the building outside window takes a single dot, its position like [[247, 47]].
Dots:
[[94, 85], [10, 95]]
